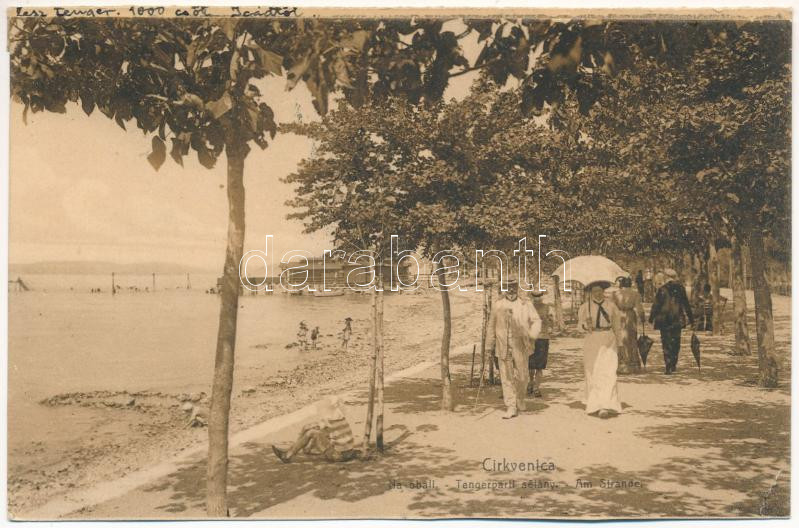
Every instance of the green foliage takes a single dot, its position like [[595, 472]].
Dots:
[[709, 138]]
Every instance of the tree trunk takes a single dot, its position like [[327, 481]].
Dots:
[[219, 414], [370, 405], [739, 299], [745, 252], [730, 269], [688, 268], [379, 367], [713, 278], [490, 357], [446, 382], [768, 361], [696, 283], [559, 324]]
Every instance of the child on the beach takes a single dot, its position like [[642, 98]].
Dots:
[[330, 436], [302, 335], [314, 337], [346, 334]]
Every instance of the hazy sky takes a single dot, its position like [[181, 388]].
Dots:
[[81, 189]]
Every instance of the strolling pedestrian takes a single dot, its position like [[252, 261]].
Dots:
[[705, 305], [512, 327], [671, 312], [631, 312], [649, 287], [639, 283], [538, 358], [599, 318]]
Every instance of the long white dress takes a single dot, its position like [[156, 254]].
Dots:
[[600, 359]]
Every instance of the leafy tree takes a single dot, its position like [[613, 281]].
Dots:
[[717, 126], [192, 83], [353, 186]]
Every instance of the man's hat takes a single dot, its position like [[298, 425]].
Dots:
[[670, 273], [537, 293], [511, 280]]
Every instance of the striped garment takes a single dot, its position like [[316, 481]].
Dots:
[[341, 435]]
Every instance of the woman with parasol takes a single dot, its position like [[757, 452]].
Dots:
[[600, 318]]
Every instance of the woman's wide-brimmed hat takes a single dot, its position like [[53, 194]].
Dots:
[[602, 284]]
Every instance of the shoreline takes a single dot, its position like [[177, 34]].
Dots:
[[155, 431]]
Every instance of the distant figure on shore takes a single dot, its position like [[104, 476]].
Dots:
[[314, 337], [649, 287], [302, 335], [329, 436], [601, 320], [346, 334], [512, 328], [668, 314], [631, 312]]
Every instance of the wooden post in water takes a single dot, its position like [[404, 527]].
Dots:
[[188, 282], [113, 285], [153, 281]]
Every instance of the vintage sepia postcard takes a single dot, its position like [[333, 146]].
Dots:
[[304, 263]]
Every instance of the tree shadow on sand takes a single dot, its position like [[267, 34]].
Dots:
[[259, 481], [746, 448], [734, 447]]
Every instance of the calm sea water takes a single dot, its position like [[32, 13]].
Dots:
[[63, 340]]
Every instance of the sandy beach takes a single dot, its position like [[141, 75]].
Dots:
[[113, 405]]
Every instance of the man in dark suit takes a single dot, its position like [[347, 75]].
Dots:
[[669, 313]]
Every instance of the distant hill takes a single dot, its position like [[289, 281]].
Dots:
[[89, 267]]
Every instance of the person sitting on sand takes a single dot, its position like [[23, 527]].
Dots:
[[330, 436]]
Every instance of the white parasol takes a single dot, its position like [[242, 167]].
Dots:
[[589, 268]]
